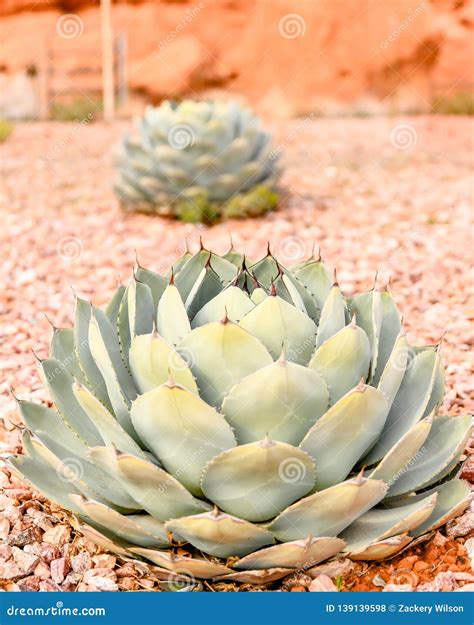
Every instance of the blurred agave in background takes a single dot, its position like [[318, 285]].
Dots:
[[198, 161]]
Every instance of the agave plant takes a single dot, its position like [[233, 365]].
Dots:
[[250, 411], [198, 161]]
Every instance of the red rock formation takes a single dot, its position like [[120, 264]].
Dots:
[[291, 58]]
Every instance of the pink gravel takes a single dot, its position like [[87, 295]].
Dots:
[[387, 194]]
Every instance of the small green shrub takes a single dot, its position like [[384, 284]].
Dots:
[[6, 129], [76, 110], [458, 104]]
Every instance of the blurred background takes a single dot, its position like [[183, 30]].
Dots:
[[287, 58]]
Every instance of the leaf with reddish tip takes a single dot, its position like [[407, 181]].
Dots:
[[398, 459], [299, 554], [172, 319], [258, 480], [181, 565], [182, 431], [295, 398], [333, 316], [220, 534], [329, 511], [140, 529], [277, 323], [381, 523], [382, 549], [221, 354], [409, 404], [232, 302], [153, 361], [341, 436], [343, 360], [443, 446]]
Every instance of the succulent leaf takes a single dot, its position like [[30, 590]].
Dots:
[[91, 371], [444, 444], [315, 277], [220, 534], [108, 427], [60, 384], [231, 301], [382, 548], [141, 309], [368, 309], [329, 511], [195, 567], [155, 490], [394, 371], [258, 480], [333, 315], [298, 554], [410, 402], [389, 330], [39, 418], [397, 459], [172, 320], [277, 323], [40, 476], [343, 360], [453, 499], [221, 354], [295, 398], [140, 529], [341, 436], [181, 430], [378, 524], [63, 350], [155, 282], [153, 361]]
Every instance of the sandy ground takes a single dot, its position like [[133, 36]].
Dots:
[[388, 195]]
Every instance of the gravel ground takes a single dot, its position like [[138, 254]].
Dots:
[[392, 195]]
